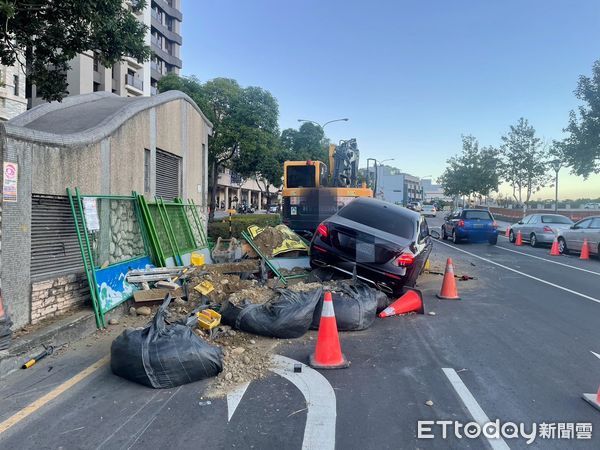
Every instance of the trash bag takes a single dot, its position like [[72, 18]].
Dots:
[[287, 315], [164, 355], [355, 306]]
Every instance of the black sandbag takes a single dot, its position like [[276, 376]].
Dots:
[[383, 301], [164, 355], [229, 313], [355, 306], [287, 315]]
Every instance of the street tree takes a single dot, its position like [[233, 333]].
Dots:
[[581, 147], [524, 161], [45, 35], [472, 173], [307, 142], [245, 124]]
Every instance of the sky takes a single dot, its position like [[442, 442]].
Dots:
[[412, 76]]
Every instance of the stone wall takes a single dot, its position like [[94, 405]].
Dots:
[[53, 297], [126, 240]]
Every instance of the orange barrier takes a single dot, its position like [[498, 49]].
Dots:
[[449, 291], [519, 240], [585, 250], [410, 301], [554, 250]]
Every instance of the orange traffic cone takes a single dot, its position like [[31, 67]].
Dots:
[[519, 240], [410, 301], [585, 250], [507, 232], [328, 353], [554, 250], [593, 399], [449, 291]]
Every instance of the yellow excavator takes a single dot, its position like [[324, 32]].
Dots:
[[311, 193]]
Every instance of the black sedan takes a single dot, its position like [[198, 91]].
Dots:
[[388, 244]]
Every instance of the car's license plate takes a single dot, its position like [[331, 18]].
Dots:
[[478, 225], [294, 211]]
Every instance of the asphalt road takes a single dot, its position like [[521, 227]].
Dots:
[[518, 347]]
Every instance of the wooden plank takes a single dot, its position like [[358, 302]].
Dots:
[[142, 278], [156, 270], [152, 295]]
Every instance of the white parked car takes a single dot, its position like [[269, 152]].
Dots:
[[591, 206], [428, 211]]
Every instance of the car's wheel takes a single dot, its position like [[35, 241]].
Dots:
[[494, 240], [454, 237], [562, 246], [533, 240], [511, 236], [444, 235]]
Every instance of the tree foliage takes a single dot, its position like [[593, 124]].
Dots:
[[581, 147], [307, 142], [245, 127], [473, 172], [44, 35], [525, 161]]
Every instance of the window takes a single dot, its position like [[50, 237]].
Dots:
[[556, 219], [534, 219], [300, 176], [146, 170], [16, 84], [381, 216], [595, 223], [424, 231], [477, 215], [96, 62], [583, 224], [525, 219]]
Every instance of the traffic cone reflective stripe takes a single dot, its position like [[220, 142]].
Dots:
[[519, 240], [593, 399], [328, 352], [507, 232], [585, 250], [449, 291], [410, 301], [554, 250]]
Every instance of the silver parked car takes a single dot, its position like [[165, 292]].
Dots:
[[572, 238], [539, 228]]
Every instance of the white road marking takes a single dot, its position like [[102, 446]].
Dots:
[[319, 431], [570, 291], [234, 398], [548, 260], [595, 354], [472, 406]]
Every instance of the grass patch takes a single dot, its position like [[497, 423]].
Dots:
[[239, 223]]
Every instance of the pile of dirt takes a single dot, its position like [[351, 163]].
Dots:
[[224, 285], [246, 357], [268, 240], [255, 294], [248, 265]]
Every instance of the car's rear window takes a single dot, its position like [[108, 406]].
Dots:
[[556, 219], [481, 215], [380, 218], [428, 207]]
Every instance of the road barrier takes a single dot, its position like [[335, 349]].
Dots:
[[410, 301], [449, 291], [585, 250], [328, 352], [519, 240], [554, 250]]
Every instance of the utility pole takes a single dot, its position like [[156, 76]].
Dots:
[[556, 165]]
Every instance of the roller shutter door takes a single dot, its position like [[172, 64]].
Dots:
[[54, 246], [168, 175]]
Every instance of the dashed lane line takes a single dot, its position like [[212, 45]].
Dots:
[[570, 291], [472, 406]]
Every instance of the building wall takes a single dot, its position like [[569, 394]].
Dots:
[[11, 105], [113, 164]]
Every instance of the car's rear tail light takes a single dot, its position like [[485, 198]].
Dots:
[[461, 223], [323, 231], [547, 229], [405, 259]]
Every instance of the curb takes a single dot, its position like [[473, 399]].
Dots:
[[71, 328]]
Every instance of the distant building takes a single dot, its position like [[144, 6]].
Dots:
[[399, 188], [432, 192], [232, 191], [130, 78], [12, 91]]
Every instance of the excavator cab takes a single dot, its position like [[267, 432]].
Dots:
[[304, 174]]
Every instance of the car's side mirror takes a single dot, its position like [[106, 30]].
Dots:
[[434, 234], [574, 227], [520, 222]]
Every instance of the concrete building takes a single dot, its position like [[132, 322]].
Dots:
[[398, 188], [433, 192], [232, 190], [104, 145], [12, 91], [131, 78]]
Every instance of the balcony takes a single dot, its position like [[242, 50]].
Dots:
[[134, 82]]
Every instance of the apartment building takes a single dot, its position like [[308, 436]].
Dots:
[[131, 78], [397, 187], [12, 91]]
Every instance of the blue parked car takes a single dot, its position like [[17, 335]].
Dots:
[[474, 225]]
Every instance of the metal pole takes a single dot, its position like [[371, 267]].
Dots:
[[376, 179], [556, 192]]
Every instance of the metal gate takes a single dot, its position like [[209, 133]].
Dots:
[[168, 175], [54, 245]]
